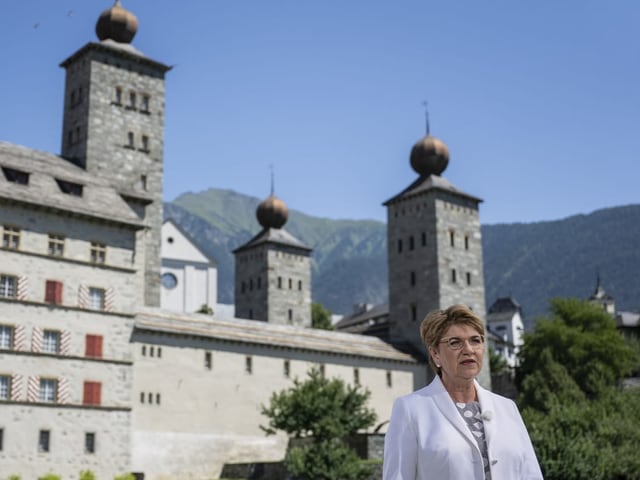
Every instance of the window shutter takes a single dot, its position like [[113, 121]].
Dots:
[[92, 393], [93, 346], [33, 389], [23, 288], [83, 296], [63, 390], [16, 387], [19, 340], [36, 340], [53, 292], [65, 342]]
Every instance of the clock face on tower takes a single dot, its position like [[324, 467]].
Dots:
[[169, 281]]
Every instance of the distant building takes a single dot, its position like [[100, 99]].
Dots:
[[505, 323], [602, 298], [189, 277]]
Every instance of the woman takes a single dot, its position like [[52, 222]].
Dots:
[[453, 428]]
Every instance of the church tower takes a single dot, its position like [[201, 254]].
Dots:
[[273, 271], [434, 247], [113, 127]]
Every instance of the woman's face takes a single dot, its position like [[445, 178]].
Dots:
[[463, 364]]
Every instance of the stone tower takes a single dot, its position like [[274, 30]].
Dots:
[[113, 126], [273, 271], [434, 247]]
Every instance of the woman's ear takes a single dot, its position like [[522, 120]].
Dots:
[[435, 356]]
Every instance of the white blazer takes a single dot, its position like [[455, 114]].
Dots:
[[427, 439]]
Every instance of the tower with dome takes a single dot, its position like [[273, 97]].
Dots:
[[273, 271], [434, 247]]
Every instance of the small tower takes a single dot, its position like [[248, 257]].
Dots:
[[113, 126], [273, 271], [602, 298], [434, 247]]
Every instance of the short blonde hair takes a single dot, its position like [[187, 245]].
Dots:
[[436, 323]]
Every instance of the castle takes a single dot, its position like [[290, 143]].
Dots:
[[94, 375]]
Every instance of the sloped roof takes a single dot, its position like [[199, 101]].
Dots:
[[274, 235], [262, 333], [432, 182], [99, 199]]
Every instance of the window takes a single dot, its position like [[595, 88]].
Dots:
[[48, 389], [453, 275], [452, 238], [89, 442], [11, 237], [93, 346], [1, 439], [208, 362], [44, 439], [411, 243], [98, 252], [149, 397], [251, 284], [159, 352], [144, 106], [466, 242], [157, 399], [400, 245], [243, 287], [8, 286], [279, 282], [15, 176], [413, 278], [290, 284], [70, 188], [96, 298], [91, 393], [152, 351], [144, 350], [414, 312], [259, 283], [286, 368], [6, 337], [131, 140], [468, 278], [143, 182], [145, 143], [389, 380], [118, 97], [322, 370], [5, 387], [356, 376], [56, 245], [141, 397], [248, 364], [51, 341], [170, 281], [53, 292], [290, 315], [299, 284], [132, 100], [424, 239]]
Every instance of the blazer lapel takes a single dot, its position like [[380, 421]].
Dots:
[[488, 412], [448, 408]]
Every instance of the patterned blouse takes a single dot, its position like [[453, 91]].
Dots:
[[473, 416]]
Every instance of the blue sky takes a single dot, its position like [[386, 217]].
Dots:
[[539, 102]]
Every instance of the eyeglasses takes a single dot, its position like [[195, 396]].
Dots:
[[456, 343]]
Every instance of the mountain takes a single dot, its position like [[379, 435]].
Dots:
[[533, 262]]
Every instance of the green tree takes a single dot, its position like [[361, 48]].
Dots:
[[324, 412], [581, 424], [320, 317], [582, 339]]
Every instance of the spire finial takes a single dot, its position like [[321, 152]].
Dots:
[[272, 175], [425, 104]]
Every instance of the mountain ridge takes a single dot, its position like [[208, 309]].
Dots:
[[532, 262]]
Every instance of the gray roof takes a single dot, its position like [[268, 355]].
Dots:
[[368, 316], [99, 199], [431, 182], [274, 235], [262, 333]]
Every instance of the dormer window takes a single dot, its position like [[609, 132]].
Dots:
[[69, 188], [15, 176]]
